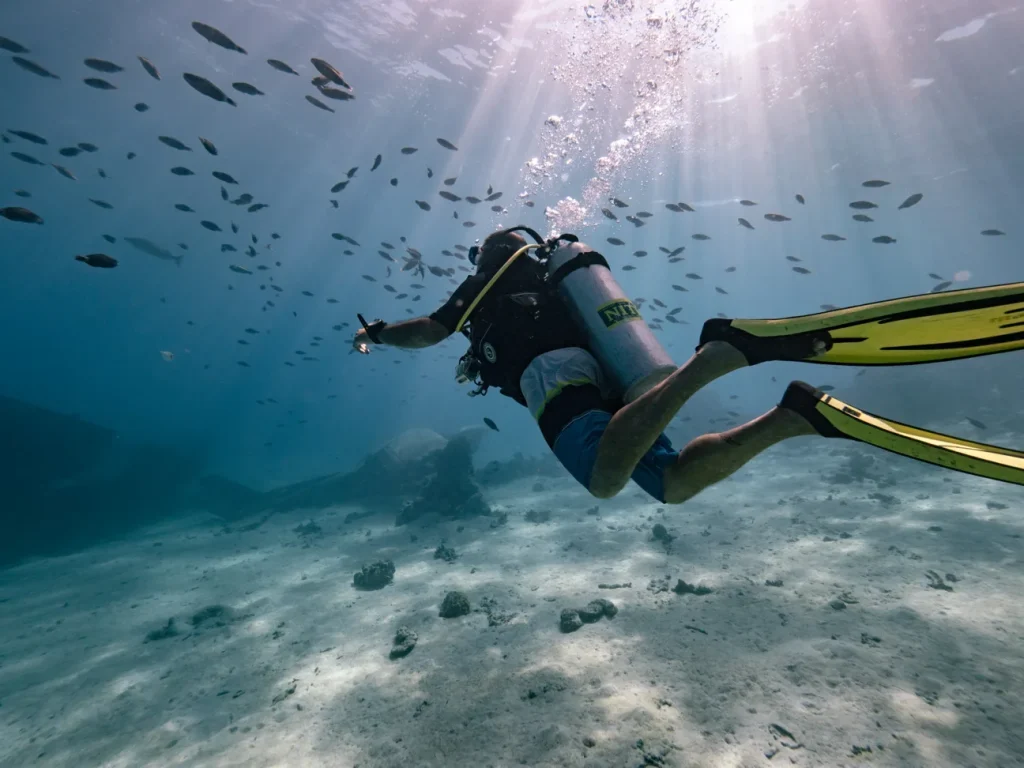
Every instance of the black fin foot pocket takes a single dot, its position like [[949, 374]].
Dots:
[[761, 349]]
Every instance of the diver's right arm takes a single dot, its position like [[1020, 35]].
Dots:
[[409, 334]]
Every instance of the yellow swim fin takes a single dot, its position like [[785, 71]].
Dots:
[[834, 418], [929, 328]]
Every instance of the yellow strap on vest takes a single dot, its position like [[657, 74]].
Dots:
[[491, 283]]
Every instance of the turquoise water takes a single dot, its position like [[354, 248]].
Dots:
[[720, 103]]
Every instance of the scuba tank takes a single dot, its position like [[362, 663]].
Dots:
[[618, 337]]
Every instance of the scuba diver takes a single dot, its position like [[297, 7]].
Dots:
[[554, 331]]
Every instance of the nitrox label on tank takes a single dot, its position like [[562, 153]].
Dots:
[[619, 311]]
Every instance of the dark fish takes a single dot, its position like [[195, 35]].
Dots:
[[100, 260], [330, 72], [102, 65], [452, 180], [730, 269], [933, 276], [234, 227], [679, 288], [423, 206], [338, 187], [26, 158], [6, 44], [447, 145], [639, 254], [101, 203], [976, 423], [875, 183], [227, 178], [317, 103], [672, 207], [247, 88], [99, 84], [30, 66], [776, 217], [883, 239], [745, 223], [992, 232], [863, 205], [832, 238], [180, 170], [721, 290], [256, 207], [148, 66], [685, 207], [376, 163], [228, 248], [492, 197], [694, 276], [802, 270], [469, 224], [826, 388], [862, 217], [371, 279], [23, 215], [28, 136], [644, 214], [87, 147], [409, 150], [829, 306], [141, 107], [320, 81], [208, 145], [352, 172], [173, 143], [628, 268], [635, 221], [941, 286], [430, 173], [608, 214], [394, 182], [223, 194], [216, 37], [210, 226], [101, 173], [110, 239], [64, 172], [473, 200], [747, 202], [497, 208], [699, 236], [280, 66], [207, 88], [615, 241], [491, 424], [800, 199], [336, 93], [306, 293], [792, 258], [449, 196]]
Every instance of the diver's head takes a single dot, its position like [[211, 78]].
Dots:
[[495, 250]]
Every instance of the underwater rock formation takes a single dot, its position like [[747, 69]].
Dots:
[[449, 490], [374, 576]]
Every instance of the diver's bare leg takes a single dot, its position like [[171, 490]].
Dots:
[[707, 459], [634, 428]]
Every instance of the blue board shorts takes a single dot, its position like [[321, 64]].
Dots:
[[566, 392]]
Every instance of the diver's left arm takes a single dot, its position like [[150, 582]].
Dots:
[[409, 334]]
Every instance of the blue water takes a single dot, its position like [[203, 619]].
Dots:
[[823, 102]]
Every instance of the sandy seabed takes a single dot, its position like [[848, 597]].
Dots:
[[856, 655]]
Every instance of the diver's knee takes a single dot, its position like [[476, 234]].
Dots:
[[602, 490]]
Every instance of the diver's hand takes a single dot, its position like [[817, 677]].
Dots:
[[361, 342]]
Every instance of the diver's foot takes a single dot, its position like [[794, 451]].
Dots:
[[799, 407], [760, 349], [722, 356]]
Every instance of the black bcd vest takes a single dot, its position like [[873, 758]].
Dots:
[[520, 318]]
